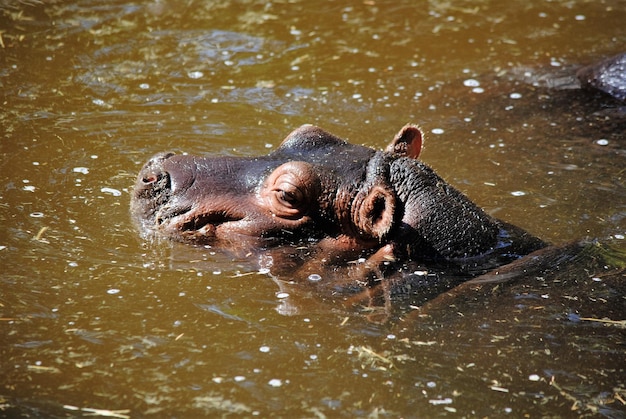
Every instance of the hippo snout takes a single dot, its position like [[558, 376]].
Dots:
[[175, 196], [158, 194]]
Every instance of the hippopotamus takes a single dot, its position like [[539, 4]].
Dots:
[[344, 201], [374, 229], [316, 186]]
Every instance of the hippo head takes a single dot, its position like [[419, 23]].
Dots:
[[314, 187]]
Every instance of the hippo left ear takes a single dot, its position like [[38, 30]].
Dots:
[[374, 214], [407, 142]]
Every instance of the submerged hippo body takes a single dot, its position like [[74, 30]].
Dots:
[[349, 201], [608, 76]]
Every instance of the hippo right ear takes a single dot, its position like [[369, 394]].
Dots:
[[407, 142]]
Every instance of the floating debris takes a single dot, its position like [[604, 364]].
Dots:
[[100, 412], [436, 402], [372, 358], [39, 235], [41, 368], [619, 323]]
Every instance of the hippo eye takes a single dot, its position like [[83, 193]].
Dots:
[[291, 190], [287, 200], [290, 198]]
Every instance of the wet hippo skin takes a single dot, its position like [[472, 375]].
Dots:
[[343, 200], [608, 76]]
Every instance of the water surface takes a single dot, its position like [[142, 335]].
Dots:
[[94, 319]]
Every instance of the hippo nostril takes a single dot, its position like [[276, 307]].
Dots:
[[153, 185], [152, 178], [153, 175]]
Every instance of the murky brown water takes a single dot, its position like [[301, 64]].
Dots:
[[92, 317]]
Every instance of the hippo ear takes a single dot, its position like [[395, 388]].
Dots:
[[374, 214], [407, 142]]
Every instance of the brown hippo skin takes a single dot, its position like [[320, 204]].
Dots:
[[342, 199]]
